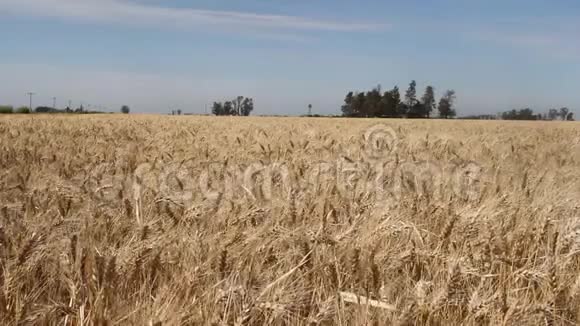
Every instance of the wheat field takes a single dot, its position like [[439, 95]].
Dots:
[[166, 220]]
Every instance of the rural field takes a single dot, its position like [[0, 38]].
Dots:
[[167, 220]]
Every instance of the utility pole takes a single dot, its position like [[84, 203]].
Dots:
[[54, 102], [30, 94]]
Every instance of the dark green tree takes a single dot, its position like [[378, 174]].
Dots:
[[229, 108], [428, 101], [6, 109], [392, 100], [527, 114], [124, 109], [398, 104], [564, 113], [372, 102], [416, 111], [446, 105], [523, 114], [217, 108], [411, 94], [44, 109], [247, 106], [384, 104], [347, 108], [23, 110], [358, 105]]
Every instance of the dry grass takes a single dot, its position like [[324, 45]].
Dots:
[[145, 220]]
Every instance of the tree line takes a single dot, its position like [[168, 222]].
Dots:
[[390, 104], [240, 106], [563, 114], [7, 109]]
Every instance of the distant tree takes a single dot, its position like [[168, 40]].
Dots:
[[371, 107], [429, 100], [480, 117], [564, 113], [402, 110], [389, 104], [409, 107], [125, 109], [394, 106], [527, 114], [416, 111], [6, 109], [570, 116], [446, 105], [359, 104], [374, 103], [384, 105], [347, 107], [240, 106], [248, 106], [23, 110], [237, 105], [509, 115], [553, 114], [402, 107], [523, 114], [411, 95], [217, 108], [178, 112], [229, 108], [44, 109]]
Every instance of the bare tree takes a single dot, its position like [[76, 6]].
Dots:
[[564, 113]]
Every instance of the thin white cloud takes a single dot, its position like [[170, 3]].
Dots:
[[554, 44], [551, 37], [133, 13]]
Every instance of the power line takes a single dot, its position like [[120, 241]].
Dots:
[[30, 94]]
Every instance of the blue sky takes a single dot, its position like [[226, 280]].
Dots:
[[160, 55]]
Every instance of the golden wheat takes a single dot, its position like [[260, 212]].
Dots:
[[150, 220]]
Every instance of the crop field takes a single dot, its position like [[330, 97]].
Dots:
[[166, 220]]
